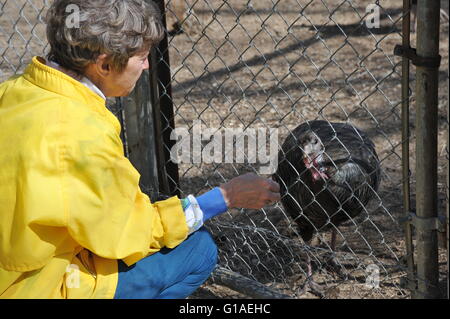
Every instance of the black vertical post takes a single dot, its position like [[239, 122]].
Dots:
[[168, 170]]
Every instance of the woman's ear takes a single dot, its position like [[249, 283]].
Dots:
[[100, 73], [103, 65]]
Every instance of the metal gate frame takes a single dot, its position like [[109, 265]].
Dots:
[[424, 284]]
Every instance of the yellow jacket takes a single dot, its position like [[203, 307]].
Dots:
[[70, 203]]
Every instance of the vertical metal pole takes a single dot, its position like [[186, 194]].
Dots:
[[405, 146], [426, 147], [448, 185], [169, 182], [447, 154], [121, 117]]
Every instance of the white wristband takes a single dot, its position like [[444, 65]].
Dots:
[[194, 215]]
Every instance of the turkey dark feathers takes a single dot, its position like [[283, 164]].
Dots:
[[327, 173]]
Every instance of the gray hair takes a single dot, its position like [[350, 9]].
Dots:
[[118, 28]]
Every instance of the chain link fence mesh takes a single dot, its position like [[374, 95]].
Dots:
[[273, 65], [276, 64]]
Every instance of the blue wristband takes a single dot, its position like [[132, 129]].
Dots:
[[212, 203]]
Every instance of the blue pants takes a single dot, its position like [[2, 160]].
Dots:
[[170, 273]]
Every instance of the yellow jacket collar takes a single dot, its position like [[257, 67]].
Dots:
[[55, 81]]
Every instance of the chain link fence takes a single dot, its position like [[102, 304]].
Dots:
[[269, 64], [277, 64]]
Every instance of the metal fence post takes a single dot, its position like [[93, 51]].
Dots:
[[426, 148], [447, 152], [168, 170], [406, 22], [148, 120]]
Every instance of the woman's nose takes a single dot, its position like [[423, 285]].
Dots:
[[146, 65]]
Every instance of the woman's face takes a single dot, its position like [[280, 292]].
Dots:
[[115, 84]]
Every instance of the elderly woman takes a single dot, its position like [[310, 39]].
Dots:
[[73, 221]]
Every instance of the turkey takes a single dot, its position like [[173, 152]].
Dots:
[[327, 172]]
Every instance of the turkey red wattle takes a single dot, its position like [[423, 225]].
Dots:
[[318, 172]]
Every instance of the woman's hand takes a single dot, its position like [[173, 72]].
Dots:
[[250, 191]]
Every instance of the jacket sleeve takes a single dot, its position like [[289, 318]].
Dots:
[[106, 211]]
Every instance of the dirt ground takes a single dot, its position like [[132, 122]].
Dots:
[[269, 64]]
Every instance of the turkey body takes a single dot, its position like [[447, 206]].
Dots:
[[327, 173]]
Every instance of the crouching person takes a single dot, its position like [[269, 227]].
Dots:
[[73, 220]]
